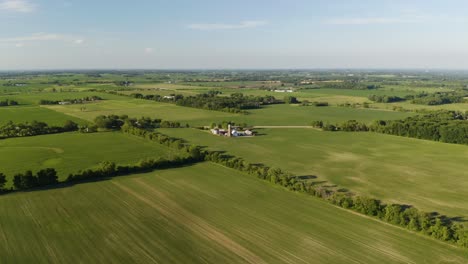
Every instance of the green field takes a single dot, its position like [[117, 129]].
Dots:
[[429, 175], [70, 152], [21, 114], [34, 98], [268, 115], [199, 214], [138, 108], [207, 213]]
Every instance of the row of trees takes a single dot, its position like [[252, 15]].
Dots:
[[28, 180], [438, 227], [34, 128], [110, 169], [8, 102], [437, 98], [115, 122], [385, 98], [48, 177], [71, 101], [348, 126], [444, 126]]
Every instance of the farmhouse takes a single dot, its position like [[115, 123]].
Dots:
[[232, 131], [284, 91], [170, 97]]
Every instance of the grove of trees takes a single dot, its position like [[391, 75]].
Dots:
[[8, 102], [34, 128]]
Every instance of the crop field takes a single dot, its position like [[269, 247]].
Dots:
[[70, 152], [199, 214], [21, 114], [429, 175]]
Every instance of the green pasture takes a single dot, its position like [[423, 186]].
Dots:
[[71, 152], [22, 114]]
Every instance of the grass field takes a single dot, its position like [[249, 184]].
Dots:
[[139, 108], [70, 152], [199, 214], [34, 98], [432, 176], [21, 114], [269, 115], [304, 115]]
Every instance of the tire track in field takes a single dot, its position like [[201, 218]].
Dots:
[[172, 210]]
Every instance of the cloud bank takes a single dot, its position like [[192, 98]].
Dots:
[[373, 20], [21, 6], [37, 37], [222, 26]]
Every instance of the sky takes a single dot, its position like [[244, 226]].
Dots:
[[226, 34]]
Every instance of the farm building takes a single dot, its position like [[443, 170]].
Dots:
[[232, 131], [284, 91]]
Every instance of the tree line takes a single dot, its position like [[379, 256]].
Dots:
[[8, 102], [438, 98], [385, 98], [34, 128], [424, 98], [71, 101], [444, 126], [115, 122], [48, 177]]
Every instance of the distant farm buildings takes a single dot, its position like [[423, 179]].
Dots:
[[284, 91], [232, 131]]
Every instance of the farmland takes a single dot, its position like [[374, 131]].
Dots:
[[21, 114], [395, 169], [70, 152], [184, 209], [221, 215], [270, 115]]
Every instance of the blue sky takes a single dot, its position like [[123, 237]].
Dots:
[[182, 34]]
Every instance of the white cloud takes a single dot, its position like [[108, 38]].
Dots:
[[374, 20], [43, 37], [22, 6], [19, 45], [221, 26], [149, 50]]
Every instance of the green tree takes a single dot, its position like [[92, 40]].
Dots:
[[3, 181], [47, 177]]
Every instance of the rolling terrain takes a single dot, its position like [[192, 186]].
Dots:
[[428, 175], [199, 214]]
